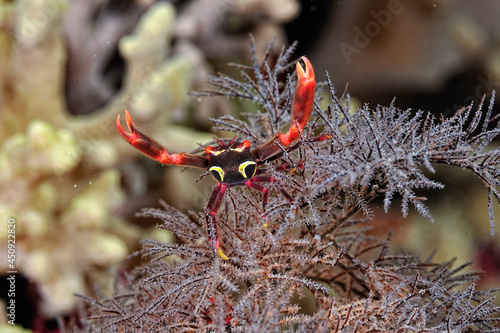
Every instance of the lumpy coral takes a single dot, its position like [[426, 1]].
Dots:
[[64, 227], [58, 175], [67, 69]]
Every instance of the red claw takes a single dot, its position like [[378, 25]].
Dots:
[[129, 137], [153, 149], [303, 102]]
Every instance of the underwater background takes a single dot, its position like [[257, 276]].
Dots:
[[73, 185]]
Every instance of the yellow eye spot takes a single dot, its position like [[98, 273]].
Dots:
[[243, 169], [219, 171]]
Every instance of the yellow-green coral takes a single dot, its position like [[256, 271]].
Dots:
[[64, 227], [148, 46], [8, 328], [95, 202], [26, 161], [57, 171], [39, 152], [57, 175]]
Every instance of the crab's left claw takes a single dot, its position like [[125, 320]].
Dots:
[[303, 102]]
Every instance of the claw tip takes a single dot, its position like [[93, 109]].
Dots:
[[307, 71], [119, 127], [118, 124], [223, 256]]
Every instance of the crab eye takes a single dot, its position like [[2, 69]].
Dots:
[[217, 173], [248, 168]]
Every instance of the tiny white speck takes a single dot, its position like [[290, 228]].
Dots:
[[74, 185], [90, 183], [199, 99]]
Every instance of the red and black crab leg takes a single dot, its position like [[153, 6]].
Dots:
[[211, 213], [154, 150], [303, 102], [253, 183]]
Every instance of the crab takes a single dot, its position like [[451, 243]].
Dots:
[[236, 163]]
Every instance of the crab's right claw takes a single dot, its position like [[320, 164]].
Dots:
[[128, 136], [153, 149]]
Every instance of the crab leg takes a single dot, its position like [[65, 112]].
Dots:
[[154, 150], [265, 193], [211, 213], [253, 183], [303, 101]]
